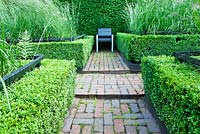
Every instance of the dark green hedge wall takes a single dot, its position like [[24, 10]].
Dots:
[[173, 89], [134, 47], [78, 50], [94, 14]]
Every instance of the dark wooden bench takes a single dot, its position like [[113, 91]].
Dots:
[[104, 35]]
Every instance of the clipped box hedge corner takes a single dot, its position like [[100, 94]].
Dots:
[[134, 47], [79, 50], [39, 100], [174, 90]]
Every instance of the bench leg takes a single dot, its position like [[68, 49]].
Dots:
[[112, 43], [97, 41]]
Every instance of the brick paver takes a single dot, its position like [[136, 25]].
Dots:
[[110, 123], [109, 100], [108, 130], [105, 61], [87, 130]]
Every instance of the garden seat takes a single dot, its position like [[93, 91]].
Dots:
[[104, 35]]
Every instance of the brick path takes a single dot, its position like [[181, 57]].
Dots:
[[116, 116], [105, 61], [109, 100], [109, 85]]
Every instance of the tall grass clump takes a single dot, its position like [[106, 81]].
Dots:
[[196, 7], [41, 18], [72, 7], [158, 16], [7, 55]]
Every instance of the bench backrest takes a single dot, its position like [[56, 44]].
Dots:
[[104, 32]]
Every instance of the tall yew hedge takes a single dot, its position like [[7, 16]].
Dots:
[[101, 13], [93, 14]]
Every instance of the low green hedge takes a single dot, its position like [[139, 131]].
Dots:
[[79, 50], [174, 90], [134, 47], [39, 100]]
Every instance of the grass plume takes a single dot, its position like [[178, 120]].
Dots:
[[18, 16], [168, 16]]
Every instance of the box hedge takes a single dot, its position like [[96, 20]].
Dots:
[[39, 100], [174, 90], [134, 47], [79, 50]]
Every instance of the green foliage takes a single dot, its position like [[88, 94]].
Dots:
[[173, 88], [25, 48], [196, 57], [79, 50], [39, 100], [154, 16], [11, 55], [8, 57], [41, 18], [94, 14], [134, 47], [6, 93]]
